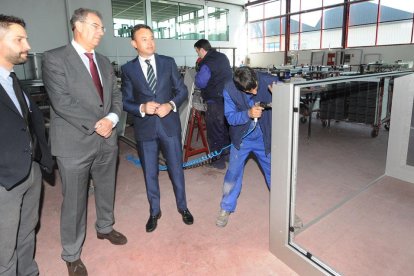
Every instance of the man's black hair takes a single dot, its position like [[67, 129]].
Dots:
[[138, 27], [245, 78], [7, 20], [203, 43]]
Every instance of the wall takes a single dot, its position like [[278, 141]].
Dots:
[[48, 27]]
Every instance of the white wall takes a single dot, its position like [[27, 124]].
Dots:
[[48, 27]]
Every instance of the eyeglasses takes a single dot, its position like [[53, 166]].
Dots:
[[95, 26]]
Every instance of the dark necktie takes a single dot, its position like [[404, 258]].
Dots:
[[26, 116], [95, 75], [152, 81]]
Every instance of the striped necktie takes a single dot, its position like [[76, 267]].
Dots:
[[152, 81]]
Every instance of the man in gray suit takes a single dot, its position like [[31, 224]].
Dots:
[[86, 105]]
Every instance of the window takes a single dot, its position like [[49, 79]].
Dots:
[[126, 15], [177, 20], [217, 24]]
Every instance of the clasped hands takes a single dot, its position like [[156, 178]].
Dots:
[[154, 108], [104, 127]]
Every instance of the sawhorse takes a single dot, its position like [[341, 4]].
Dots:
[[196, 121]]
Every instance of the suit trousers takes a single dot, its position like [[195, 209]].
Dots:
[[233, 179], [172, 150], [75, 173], [19, 215]]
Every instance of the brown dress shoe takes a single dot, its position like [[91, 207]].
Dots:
[[76, 268], [114, 237]]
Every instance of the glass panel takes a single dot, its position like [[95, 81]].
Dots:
[[396, 10], [191, 21], [218, 24], [361, 35], [307, 5], [164, 17], [272, 9], [294, 24], [331, 38], [333, 18], [295, 5], [126, 15], [294, 42], [310, 40], [256, 29], [410, 153], [332, 2], [272, 43], [272, 27], [256, 45], [363, 13], [394, 32], [311, 21], [255, 13]]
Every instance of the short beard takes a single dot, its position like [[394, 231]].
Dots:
[[18, 59]]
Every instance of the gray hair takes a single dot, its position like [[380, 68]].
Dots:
[[80, 15]]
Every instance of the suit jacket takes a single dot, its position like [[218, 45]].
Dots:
[[136, 91], [76, 105], [15, 154]]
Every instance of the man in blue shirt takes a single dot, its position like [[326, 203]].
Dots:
[[248, 122], [214, 71]]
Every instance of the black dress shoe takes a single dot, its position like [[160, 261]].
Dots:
[[114, 237], [77, 268], [187, 216], [152, 222]]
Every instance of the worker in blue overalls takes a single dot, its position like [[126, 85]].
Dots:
[[246, 116]]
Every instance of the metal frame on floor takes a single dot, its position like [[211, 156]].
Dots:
[[285, 125]]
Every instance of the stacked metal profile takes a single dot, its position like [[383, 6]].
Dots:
[[351, 101]]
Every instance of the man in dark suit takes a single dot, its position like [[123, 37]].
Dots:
[[23, 152], [152, 91], [86, 105]]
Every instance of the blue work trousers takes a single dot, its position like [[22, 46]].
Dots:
[[234, 175]]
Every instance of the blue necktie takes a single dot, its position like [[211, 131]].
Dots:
[[152, 81]]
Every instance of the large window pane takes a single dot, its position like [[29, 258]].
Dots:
[[164, 23], [331, 38], [332, 2], [256, 45], [294, 42], [395, 32], [310, 40], [361, 35], [256, 29], [272, 27], [294, 24], [396, 10], [190, 21], [218, 28], [307, 5], [126, 15], [255, 13], [272, 9], [177, 20], [363, 13], [333, 18], [272, 43], [311, 21], [295, 5]]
